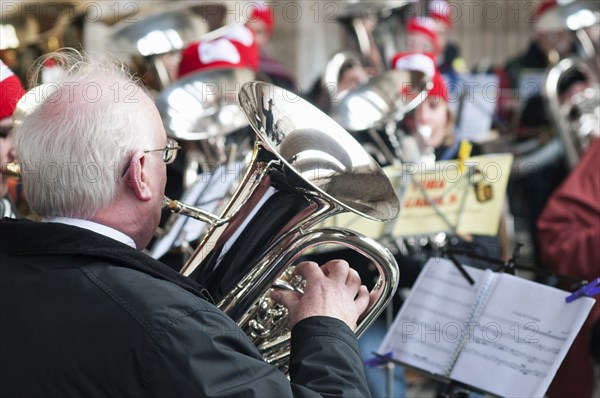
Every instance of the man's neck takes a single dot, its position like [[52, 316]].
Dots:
[[95, 227]]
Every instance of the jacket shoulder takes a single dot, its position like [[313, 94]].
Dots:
[[154, 303]]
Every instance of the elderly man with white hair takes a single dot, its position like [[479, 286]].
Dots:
[[84, 313]]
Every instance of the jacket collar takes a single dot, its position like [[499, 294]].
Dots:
[[24, 237]]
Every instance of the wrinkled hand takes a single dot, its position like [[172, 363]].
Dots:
[[333, 290]]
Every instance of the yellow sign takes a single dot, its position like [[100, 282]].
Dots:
[[441, 198]]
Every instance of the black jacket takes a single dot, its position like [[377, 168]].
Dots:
[[84, 315]]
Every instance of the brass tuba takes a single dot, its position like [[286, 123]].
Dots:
[[575, 113], [373, 29], [571, 86], [304, 168]]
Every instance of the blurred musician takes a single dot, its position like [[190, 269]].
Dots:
[[569, 234], [529, 120], [449, 59], [545, 48], [237, 48], [422, 37], [11, 91], [85, 313], [432, 121], [208, 70], [262, 23]]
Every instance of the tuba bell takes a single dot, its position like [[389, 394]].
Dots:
[[575, 110], [373, 29], [304, 169], [201, 110], [371, 111], [571, 87]]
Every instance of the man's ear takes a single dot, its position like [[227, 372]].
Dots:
[[137, 176]]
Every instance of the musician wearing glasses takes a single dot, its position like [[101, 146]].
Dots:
[[83, 312]]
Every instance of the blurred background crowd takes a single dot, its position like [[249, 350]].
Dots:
[[518, 77]]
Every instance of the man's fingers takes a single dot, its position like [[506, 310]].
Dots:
[[353, 280], [362, 299], [308, 269], [336, 269], [287, 298]]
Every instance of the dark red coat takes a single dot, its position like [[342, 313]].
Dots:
[[569, 235]]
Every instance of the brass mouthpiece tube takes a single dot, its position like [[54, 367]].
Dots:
[[13, 170], [178, 207]]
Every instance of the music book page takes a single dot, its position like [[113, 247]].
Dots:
[[505, 335]]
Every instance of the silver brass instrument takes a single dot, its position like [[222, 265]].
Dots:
[[202, 108], [373, 29], [31, 29], [571, 119], [154, 35], [576, 117], [378, 105], [330, 78], [304, 168]]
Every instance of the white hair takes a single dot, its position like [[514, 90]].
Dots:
[[73, 136]]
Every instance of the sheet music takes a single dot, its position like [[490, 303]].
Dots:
[[429, 327], [523, 334], [478, 106], [505, 335]]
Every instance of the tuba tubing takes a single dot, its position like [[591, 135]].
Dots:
[[574, 138], [264, 321], [298, 176]]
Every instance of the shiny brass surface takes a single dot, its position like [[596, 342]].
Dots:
[[157, 30], [204, 104], [373, 29], [320, 151], [153, 35], [13, 170], [305, 168], [386, 97], [576, 115]]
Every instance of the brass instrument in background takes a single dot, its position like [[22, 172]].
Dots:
[[371, 112], [371, 33], [31, 29], [575, 115], [202, 109], [304, 169], [373, 30], [153, 36]]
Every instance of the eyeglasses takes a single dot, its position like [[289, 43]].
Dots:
[[169, 153]]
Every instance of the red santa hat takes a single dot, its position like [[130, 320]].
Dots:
[[543, 6], [236, 49], [439, 10], [11, 91], [424, 63], [425, 25], [262, 12]]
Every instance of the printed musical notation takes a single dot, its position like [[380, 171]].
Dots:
[[505, 335]]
